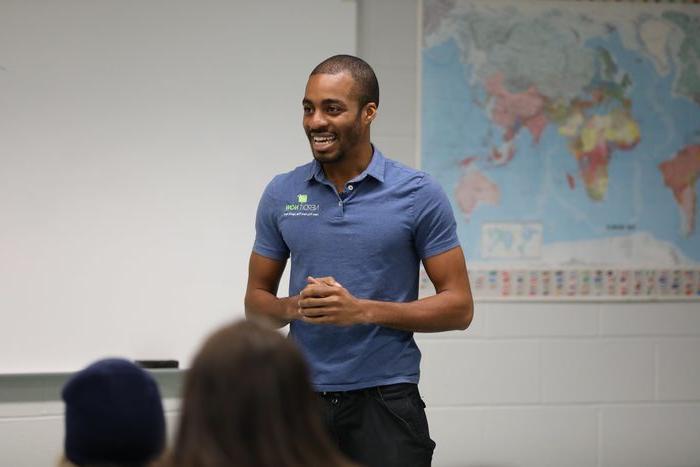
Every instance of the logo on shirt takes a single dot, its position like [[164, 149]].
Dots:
[[302, 207]]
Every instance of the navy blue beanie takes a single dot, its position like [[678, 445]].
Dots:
[[114, 413]]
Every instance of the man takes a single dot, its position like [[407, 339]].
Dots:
[[356, 225]]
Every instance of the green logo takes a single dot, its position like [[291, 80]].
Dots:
[[302, 207]]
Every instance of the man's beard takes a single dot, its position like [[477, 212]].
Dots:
[[347, 140], [337, 156]]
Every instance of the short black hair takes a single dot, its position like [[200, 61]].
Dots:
[[365, 80]]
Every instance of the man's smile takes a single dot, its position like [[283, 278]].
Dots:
[[322, 141]]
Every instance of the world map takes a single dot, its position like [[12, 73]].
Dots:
[[566, 134]]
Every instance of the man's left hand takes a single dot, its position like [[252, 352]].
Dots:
[[326, 301]]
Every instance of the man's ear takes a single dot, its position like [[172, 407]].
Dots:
[[370, 111]]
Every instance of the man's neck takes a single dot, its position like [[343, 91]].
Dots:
[[352, 165]]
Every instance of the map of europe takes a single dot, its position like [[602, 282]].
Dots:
[[565, 133]]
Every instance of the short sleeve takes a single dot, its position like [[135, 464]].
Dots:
[[435, 228], [268, 238]]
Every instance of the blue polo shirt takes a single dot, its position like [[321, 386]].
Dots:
[[371, 239]]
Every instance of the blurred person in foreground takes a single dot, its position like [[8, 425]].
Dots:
[[113, 417], [248, 402]]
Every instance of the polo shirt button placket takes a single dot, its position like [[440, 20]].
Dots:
[[341, 208]]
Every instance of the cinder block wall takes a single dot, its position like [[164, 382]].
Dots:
[[31, 416], [541, 384]]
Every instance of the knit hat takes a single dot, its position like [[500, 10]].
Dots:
[[114, 413]]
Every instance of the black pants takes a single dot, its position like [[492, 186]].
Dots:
[[383, 426]]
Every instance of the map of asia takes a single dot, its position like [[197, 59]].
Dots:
[[567, 136]]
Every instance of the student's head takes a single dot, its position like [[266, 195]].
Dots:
[[340, 103], [113, 416], [247, 402]]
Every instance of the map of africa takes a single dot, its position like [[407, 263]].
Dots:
[[566, 134]]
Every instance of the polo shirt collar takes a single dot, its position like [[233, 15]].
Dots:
[[375, 168]]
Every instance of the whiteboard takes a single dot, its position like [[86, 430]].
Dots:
[[136, 137]]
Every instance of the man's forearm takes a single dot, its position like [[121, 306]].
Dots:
[[279, 310], [445, 311]]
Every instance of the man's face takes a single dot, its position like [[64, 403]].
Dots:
[[333, 120]]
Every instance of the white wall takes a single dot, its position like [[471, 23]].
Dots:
[[136, 139], [541, 384], [528, 384]]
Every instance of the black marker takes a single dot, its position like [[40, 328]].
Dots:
[[157, 364]]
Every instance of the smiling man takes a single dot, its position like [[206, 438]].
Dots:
[[357, 225]]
